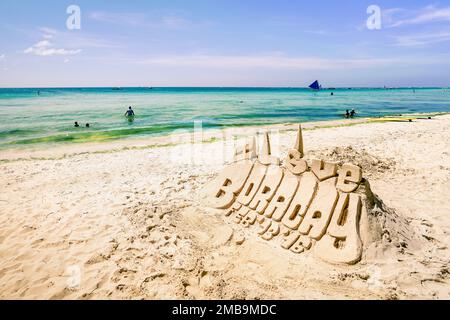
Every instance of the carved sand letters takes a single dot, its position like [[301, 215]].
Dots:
[[266, 155], [349, 177], [294, 162], [319, 213], [302, 207], [267, 189], [342, 242], [323, 170], [247, 152], [283, 197], [252, 184], [301, 202], [223, 190]]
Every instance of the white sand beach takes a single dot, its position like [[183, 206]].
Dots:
[[122, 220]]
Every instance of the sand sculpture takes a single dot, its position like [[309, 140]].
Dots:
[[303, 206]]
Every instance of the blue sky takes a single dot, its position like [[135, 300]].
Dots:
[[224, 43]]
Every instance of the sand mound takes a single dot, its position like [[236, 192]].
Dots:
[[323, 206], [382, 228], [371, 165]]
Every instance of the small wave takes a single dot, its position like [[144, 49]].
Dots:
[[93, 136], [7, 133]]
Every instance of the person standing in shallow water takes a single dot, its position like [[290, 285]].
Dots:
[[129, 112]]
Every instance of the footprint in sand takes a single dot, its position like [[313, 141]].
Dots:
[[195, 286]]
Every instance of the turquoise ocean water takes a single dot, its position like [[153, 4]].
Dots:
[[27, 118]]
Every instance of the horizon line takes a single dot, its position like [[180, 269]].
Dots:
[[228, 87]]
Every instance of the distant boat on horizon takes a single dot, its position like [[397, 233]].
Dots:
[[315, 85], [116, 88]]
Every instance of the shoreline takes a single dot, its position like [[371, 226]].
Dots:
[[52, 151]]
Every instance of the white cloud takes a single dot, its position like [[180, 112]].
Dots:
[[43, 44], [76, 40], [48, 31], [422, 39], [46, 48], [428, 14]]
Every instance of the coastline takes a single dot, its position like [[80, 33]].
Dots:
[[43, 151]]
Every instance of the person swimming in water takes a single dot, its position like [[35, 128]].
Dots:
[[352, 113], [76, 125], [129, 112], [347, 114], [87, 125]]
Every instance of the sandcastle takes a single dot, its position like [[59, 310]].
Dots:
[[302, 206]]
